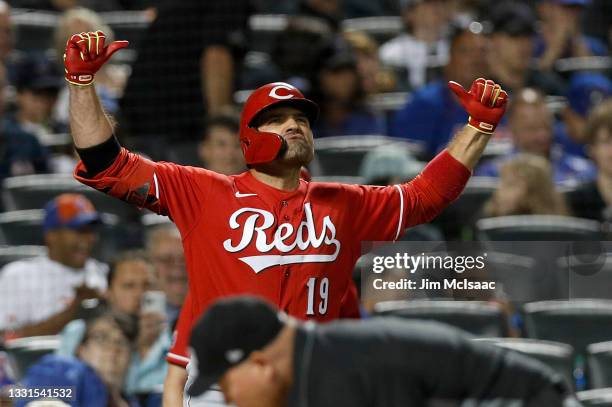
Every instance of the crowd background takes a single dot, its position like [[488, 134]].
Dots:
[[378, 70]]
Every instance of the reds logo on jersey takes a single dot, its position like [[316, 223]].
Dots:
[[286, 239]]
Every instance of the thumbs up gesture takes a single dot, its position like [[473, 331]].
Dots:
[[85, 54]]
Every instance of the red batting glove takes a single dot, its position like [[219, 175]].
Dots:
[[85, 54], [485, 103]]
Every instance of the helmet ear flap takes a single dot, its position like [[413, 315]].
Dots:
[[261, 147]]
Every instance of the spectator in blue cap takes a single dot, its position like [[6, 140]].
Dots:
[[513, 28], [39, 296], [586, 90], [561, 33]]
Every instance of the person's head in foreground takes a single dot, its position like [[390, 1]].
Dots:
[[526, 187], [275, 128], [107, 349], [69, 229], [259, 357]]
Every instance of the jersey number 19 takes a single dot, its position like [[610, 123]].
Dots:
[[323, 289]]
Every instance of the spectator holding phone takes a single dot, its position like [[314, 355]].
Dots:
[[140, 312]]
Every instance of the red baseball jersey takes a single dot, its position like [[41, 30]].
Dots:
[[295, 248]]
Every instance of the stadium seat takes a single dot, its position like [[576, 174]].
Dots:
[[21, 227], [599, 363], [558, 356], [593, 63], [463, 212], [595, 398], [26, 228], [517, 276], [483, 319], [33, 29], [538, 228], [342, 155], [587, 275], [575, 322], [381, 28], [13, 253], [34, 191], [26, 351]]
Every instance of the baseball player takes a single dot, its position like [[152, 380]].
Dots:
[[266, 231]]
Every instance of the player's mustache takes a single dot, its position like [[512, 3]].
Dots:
[[292, 133]]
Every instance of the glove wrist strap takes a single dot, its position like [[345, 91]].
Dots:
[[481, 126]]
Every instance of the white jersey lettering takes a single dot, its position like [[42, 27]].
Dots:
[[285, 239]]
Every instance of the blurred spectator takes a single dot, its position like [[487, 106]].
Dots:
[[109, 81], [591, 199], [130, 277], [531, 123], [38, 84], [432, 114], [374, 78], [165, 248], [8, 378], [512, 47], [329, 11], [220, 149], [339, 93], [586, 90], [20, 152], [525, 188], [99, 373], [423, 46], [184, 70], [561, 33], [61, 372], [39, 296], [7, 38], [296, 52]]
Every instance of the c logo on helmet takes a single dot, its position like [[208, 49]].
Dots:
[[274, 92]]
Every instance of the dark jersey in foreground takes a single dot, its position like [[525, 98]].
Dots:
[[391, 362]]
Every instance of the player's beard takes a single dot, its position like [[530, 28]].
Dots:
[[298, 153]]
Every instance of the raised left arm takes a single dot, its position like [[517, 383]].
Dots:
[[486, 104]]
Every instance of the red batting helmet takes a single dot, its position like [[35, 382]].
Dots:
[[262, 147]]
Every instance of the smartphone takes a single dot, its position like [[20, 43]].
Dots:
[[154, 301]]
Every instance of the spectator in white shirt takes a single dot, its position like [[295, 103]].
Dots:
[[39, 296], [422, 50]]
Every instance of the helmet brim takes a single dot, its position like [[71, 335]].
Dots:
[[306, 106]]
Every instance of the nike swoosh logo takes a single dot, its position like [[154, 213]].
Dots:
[[239, 195]]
